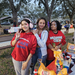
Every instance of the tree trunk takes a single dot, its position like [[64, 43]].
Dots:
[[48, 18], [71, 19], [15, 17]]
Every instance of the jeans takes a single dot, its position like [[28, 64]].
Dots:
[[18, 67], [36, 56]]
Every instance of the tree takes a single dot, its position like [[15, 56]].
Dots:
[[69, 7], [32, 11], [48, 5], [3, 5], [15, 7]]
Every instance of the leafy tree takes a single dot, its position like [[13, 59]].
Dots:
[[66, 9], [70, 9], [3, 5], [15, 7], [48, 6]]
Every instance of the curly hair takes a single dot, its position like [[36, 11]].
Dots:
[[58, 25], [46, 26]]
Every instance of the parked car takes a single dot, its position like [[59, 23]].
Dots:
[[13, 29], [5, 23]]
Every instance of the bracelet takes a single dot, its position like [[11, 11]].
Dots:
[[16, 39]]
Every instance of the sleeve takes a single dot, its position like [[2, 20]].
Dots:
[[41, 42], [12, 40], [34, 44], [63, 39], [48, 40]]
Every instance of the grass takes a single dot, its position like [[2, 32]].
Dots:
[[68, 39], [6, 65]]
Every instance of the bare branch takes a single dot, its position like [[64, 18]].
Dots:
[[52, 5], [70, 4], [42, 2], [11, 5], [66, 8], [18, 6]]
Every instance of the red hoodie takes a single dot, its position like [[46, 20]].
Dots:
[[54, 38], [24, 46]]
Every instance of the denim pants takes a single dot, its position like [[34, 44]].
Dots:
[[18, 67], [36, 56]]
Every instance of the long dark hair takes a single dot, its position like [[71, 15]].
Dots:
[[27, 22]]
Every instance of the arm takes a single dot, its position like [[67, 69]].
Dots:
[[51, 47], [16, 37], [41, 42], [63, 42], [32, 51], [24, 65], [59, 46], [14, 42]]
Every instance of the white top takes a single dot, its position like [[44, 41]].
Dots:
[[42, 42]]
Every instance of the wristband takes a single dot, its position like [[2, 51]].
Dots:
[[16, 39]]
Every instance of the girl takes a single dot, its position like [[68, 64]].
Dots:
[[56, 40], [25, 45], [41, 34]]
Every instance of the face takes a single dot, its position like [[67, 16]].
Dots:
[[53, 26], [41, 24], [25, 26]]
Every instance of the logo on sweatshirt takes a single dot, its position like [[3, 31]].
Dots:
[[56, 38], [22, 44]]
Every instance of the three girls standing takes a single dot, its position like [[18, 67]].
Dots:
[[26, 44]]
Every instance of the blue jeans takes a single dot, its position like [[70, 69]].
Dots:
[[36, 56]]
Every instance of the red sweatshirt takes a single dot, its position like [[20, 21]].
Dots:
[[54, 38], [24, 46]]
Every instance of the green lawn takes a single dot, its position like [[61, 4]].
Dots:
[[6, 65]]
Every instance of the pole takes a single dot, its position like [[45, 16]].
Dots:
[[74, 35]]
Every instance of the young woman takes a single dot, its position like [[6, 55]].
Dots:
[[41, 34], [25, 45], [56, 40]]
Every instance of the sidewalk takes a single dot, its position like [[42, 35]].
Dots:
[[4, 45]]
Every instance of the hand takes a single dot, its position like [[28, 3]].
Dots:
[[24, 65], [18, 34], [56, 47], [34, 31], [53, 49]]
